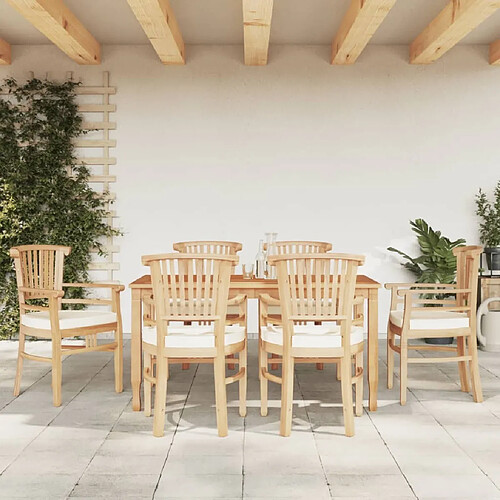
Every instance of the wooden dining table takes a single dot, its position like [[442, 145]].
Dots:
[[366, 287]]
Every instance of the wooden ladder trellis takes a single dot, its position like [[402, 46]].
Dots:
[[100, 163]]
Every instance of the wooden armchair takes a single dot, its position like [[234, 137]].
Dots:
[[39, 273], [316, 299], [437, 310], [191, 296], [237, 306]]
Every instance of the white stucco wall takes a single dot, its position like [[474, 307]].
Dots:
[[218, 150]]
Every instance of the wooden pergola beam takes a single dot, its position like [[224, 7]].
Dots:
[[62, 27], [454, 22], [257, 16], [359, 24], [158, 22], [495, 52], [5, 52]]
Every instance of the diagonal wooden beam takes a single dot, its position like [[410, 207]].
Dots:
[[5, 53], [257, 30], [61, 26], [495, 52], [360, 23], [454, 22], [158, 22]]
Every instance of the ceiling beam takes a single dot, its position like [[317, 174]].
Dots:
[[158, 22], [5, 53], [62, 27], [495, 52], [257, 30], [454, 22], [359, 24]]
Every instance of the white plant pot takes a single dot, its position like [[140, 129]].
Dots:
[[488, 326]]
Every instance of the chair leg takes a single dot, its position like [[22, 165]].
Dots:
[[20, 359], [243, 381], [462, 365], [339, 370], [263, 381], [220, 394], [118, 355], [320, 366], [231, 366], [390, 358], [346, 384], [148, 368], [403, 370], [286, 396], [160, 397], [359, 384], [477, 391], [56, 371]]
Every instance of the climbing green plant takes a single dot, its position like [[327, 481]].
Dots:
[[44, 194]]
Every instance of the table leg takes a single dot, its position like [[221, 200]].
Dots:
[[372, 348], [136, 349]]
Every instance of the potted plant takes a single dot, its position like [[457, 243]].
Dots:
[[489, 228], [436, 264]]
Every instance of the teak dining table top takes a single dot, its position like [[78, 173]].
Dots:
[[253, 287]]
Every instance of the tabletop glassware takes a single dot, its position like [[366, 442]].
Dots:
[[247, 271]]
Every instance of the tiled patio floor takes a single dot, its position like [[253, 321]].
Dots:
[[441, 445]]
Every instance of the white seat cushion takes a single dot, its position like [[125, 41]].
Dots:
[[194, 336], [434, 319], [68, 319], [315, 336]]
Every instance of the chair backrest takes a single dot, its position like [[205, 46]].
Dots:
[[467, 274], [39, 267], [299, 247], [316, 287], [208, 247], [190, 287]]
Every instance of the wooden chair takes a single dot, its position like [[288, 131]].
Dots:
[[39, 273], [237, 306], [294, 247], [192, 289], [434, 310], [314, 288], [269, 308]]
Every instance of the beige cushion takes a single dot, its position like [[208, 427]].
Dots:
[[68, 319], [194, 336], [315, 336], [432, 319]]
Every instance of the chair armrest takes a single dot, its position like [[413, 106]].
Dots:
[[420, 291], [268, 300], [235, 301], [391, 286], [42, 293], [113, 286]]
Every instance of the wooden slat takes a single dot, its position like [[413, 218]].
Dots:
[[96, 108], [158, 22], [495, 52], [62, 27], [454, 22], [256, 30], [109, 249], [96, 161], [95, 143], [102, 178], [101, 266], [357, 28], [5, 52], [98, 125], [95, 90]]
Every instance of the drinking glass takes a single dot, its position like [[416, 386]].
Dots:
[[247, 270]]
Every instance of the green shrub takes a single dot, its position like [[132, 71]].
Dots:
[[44, 194]]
